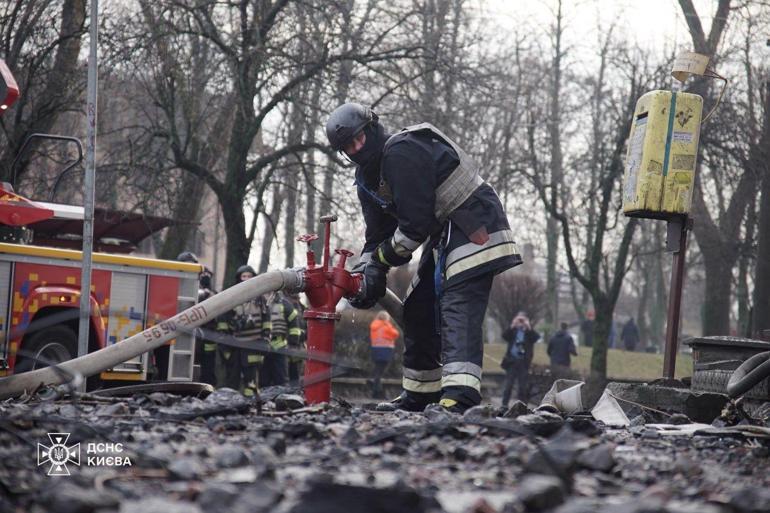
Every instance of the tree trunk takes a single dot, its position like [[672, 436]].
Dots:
[[271, 222], [644, 296], [237, 243], [602, 328], [289, 221], [556, 169], [659, 304], [716, 301], [552, 279], [744, 263], [186, 208], [761, 315]]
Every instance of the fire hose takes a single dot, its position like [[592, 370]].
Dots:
[[186, 321], [155, 336], [750, 372]]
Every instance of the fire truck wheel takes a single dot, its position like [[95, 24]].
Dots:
[[50, 345]]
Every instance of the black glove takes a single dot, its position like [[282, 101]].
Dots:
[[372, 286], [362, 304]]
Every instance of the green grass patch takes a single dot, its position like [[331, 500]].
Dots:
[[620, 364]]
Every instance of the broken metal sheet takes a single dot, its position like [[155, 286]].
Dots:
[[565, 395], [677, 429], [742, 430], [608, 410]]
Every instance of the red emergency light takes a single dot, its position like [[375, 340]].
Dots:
[[9, 90]]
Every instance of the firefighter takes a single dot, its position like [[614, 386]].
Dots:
[[206, 349], [248, 322], [284, 333], [296, 361], [419, 188]]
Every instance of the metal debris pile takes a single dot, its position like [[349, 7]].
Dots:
[[226, 453]]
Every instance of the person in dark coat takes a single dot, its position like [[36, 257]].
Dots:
[[561, 346], [521, 340], [630, 335]]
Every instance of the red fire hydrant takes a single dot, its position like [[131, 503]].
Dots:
[[324, 287]]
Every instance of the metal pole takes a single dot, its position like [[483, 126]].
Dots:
[[88, 188], [676, 241]]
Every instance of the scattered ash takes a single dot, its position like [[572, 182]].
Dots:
[[227, 453]]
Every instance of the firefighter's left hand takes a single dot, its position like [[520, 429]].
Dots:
[[372, 285]]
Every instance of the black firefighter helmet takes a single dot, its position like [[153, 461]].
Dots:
[[346, 121], [244, 269], [187, 256]]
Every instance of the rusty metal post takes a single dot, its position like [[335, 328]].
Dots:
[[676, 242]]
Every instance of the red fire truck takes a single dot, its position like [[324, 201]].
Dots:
[[40, 269]]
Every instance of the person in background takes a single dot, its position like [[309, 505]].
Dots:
[[561, 346], [249, 322], [383, 335], [284, 333], [521, 340], [205, 348], [630, 335], [295, 361]]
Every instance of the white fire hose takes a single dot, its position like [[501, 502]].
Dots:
[[393, 306], [155, 336]]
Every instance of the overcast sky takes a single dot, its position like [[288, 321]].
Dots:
[[656, 24]]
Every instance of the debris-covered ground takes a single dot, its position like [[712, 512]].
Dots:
[[226, 454]]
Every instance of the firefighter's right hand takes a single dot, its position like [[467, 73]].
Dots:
[[373, 284]]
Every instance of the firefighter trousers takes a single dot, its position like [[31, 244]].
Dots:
[[206, 357], [274, 370], [240, 368], [443, 341]]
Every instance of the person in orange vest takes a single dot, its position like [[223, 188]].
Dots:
[[383, 335]]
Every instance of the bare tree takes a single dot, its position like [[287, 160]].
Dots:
[[257, 64], [596, 245], [718, 236], [513, 292], [40, 41]]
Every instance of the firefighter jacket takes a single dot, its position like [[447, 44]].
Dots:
[[301, 330], [251, 321], [214, 324], [427, 190], [284, 318]]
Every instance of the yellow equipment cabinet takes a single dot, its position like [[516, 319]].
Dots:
[[662, 148]]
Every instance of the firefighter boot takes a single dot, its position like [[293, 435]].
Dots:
[[457, 399], [409, 401]]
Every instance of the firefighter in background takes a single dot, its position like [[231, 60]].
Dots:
[[382, 336], [205, 349], [284, 333], [296, 362], [418, 187], [249, 322]]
